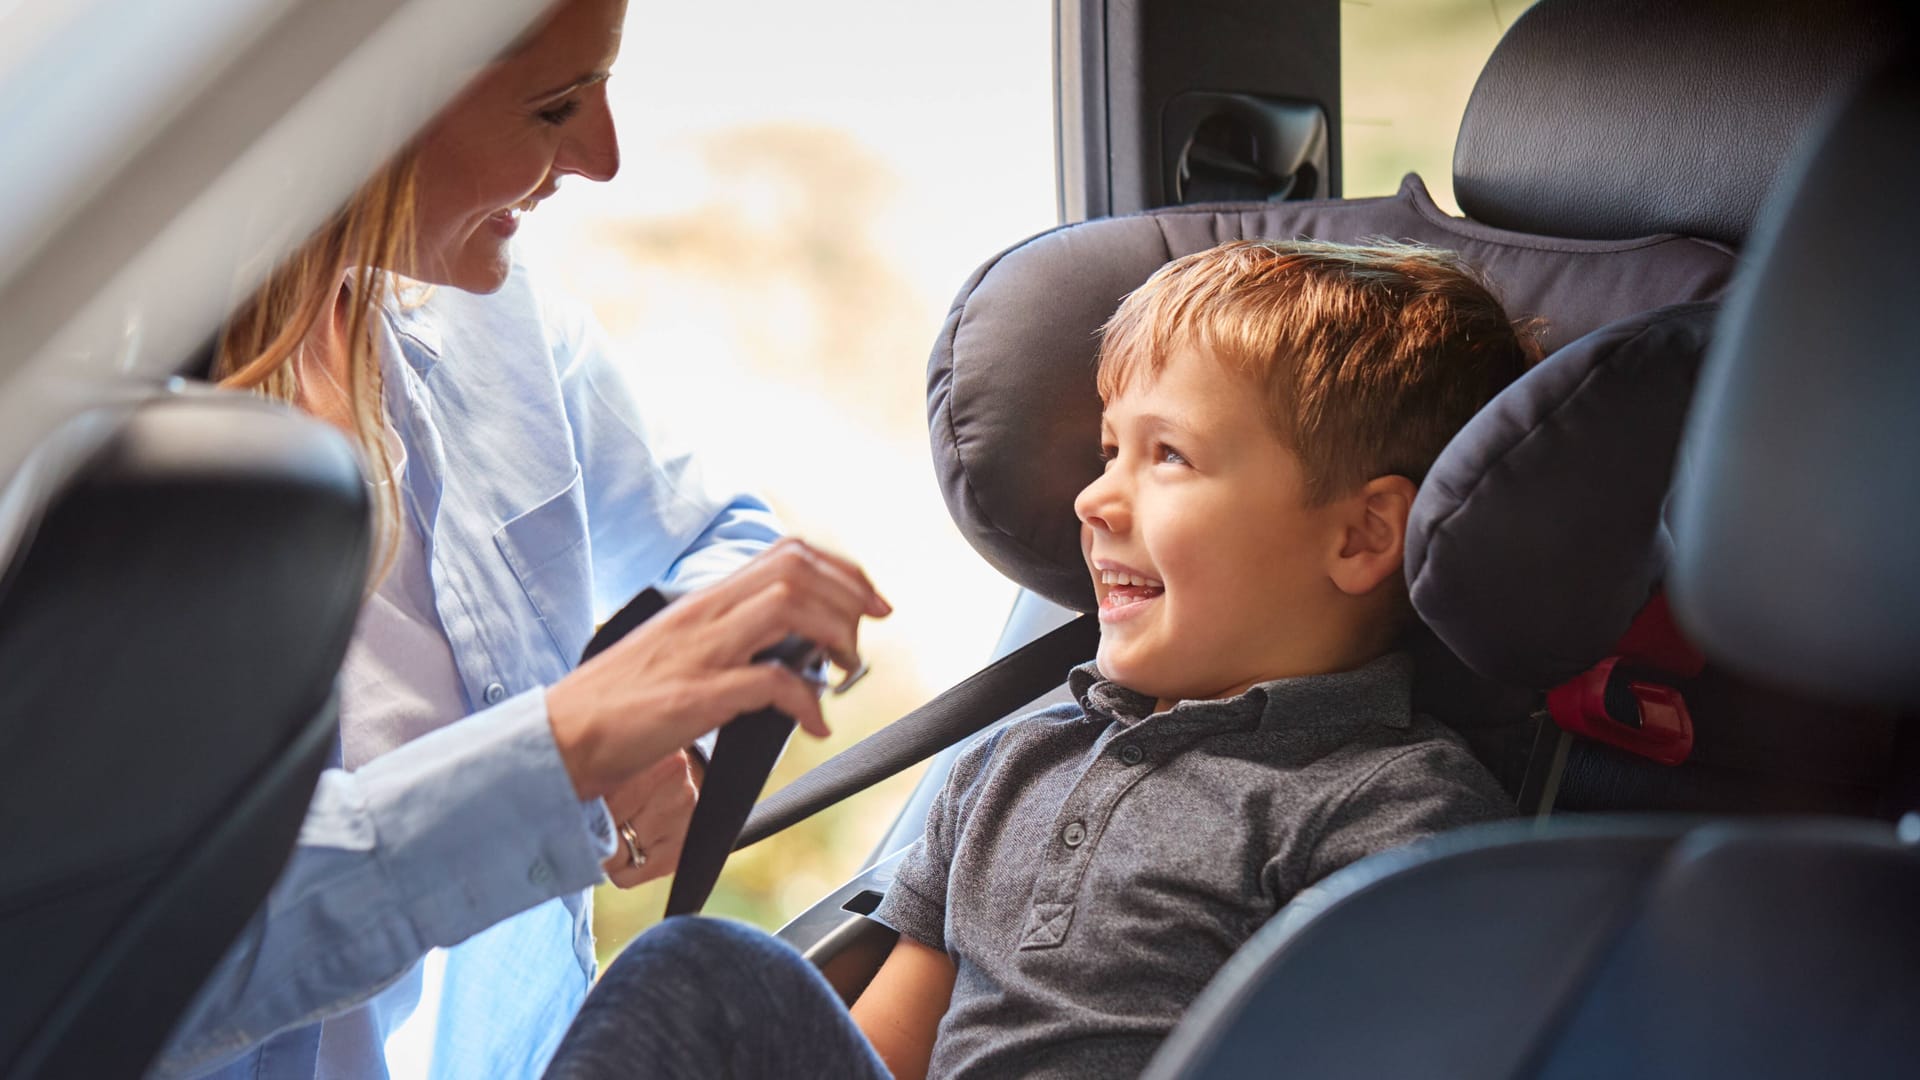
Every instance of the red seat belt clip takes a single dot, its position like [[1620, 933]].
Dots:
[[1625, 700]]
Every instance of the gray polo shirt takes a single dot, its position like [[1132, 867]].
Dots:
[[1089, 868]]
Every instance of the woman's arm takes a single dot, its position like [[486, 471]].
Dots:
[[900, 1010], [424, 846]]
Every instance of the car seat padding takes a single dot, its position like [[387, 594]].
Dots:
[[1537, 536], [1013, 416]]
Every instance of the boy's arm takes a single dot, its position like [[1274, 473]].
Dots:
[[900, 1010]]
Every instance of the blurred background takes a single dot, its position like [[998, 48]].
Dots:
[[804, 188]]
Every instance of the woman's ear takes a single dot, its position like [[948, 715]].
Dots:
[[1375, 541]]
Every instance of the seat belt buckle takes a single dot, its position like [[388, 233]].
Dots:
[[1626, 700], [1609, 704]]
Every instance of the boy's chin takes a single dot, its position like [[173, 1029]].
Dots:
[[1135, 676]]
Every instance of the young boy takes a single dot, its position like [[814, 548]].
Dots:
[[1246, 730]]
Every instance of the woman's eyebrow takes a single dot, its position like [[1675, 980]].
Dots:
[[562, 91]]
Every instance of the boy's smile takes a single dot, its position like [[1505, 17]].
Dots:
[[1125, 591], [1211, 569]]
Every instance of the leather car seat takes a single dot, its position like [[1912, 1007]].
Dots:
[[169, 633]]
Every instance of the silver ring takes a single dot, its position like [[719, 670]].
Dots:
[[636, 855]]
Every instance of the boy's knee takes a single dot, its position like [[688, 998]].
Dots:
[[700, 951]]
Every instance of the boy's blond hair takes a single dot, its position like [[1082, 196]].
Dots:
[[1371, 356]]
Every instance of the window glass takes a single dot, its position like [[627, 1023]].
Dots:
[[804, 188], [1407, 68]]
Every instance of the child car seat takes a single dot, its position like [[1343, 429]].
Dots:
[[1010, 381], [1609, 947]]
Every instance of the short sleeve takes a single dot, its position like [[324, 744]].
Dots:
[[1421, 790], [916, 902]]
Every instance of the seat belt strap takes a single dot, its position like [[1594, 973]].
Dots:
[[968, 707], [725, 818]]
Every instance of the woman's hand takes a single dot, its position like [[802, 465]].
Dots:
[[656, 804], [690, 668]]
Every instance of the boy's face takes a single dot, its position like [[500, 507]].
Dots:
[[1211, 569]]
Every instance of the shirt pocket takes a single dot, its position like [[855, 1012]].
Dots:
[[548, 549]]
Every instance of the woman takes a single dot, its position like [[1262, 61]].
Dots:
[[520, 497]]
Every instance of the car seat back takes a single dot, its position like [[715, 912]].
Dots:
[[169, 634]]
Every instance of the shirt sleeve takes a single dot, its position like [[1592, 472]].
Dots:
[[916, 901], [1421, 790], [422, 847], [652, 503]]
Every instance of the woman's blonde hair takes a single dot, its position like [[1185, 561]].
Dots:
[[361, 248]]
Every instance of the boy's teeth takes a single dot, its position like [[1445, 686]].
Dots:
[[1114, 577]]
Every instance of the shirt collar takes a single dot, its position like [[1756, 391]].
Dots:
[[419, 332], [1379, 693]]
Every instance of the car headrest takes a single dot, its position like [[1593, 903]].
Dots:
[[1538, 534], [1797, 562], [1612, 118], [1013, 415]]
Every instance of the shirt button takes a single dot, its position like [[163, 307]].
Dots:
[[1073, 834], [1131, 754], [495, 693]]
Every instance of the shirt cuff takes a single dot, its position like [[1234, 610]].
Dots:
[[478, 821], [599, 822]]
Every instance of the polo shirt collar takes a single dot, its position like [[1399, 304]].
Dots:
[[1380, 692]]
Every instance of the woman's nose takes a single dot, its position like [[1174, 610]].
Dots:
[[592, 147]]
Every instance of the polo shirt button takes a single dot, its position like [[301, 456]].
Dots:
[[1073, 834], [1131, 754], [495, 693]]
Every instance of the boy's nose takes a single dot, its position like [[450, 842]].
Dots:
[[1101, 506]]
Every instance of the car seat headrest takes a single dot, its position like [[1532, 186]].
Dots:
[[1538, 534], [1611, 118], [1012, 412], [1796, 565]]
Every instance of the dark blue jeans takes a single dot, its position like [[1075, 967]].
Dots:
[[701, 998]]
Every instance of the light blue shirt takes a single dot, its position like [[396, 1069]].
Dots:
[[545, 501]]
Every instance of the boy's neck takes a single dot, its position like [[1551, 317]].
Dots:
[[1369, 640]]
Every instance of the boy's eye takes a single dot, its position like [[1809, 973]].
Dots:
[[1167, 455], [1107, 453], [558, 114]]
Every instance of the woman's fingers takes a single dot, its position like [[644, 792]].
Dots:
[[656, 806], [792, 577], [690, 669], [766, 618], [874, 605], [772, 686]]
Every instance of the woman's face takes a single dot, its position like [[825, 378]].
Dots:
[[502, 146]]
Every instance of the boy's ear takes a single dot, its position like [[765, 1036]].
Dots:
[[1374, 545]]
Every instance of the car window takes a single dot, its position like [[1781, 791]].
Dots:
[[796, 209], [1407, 68]]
